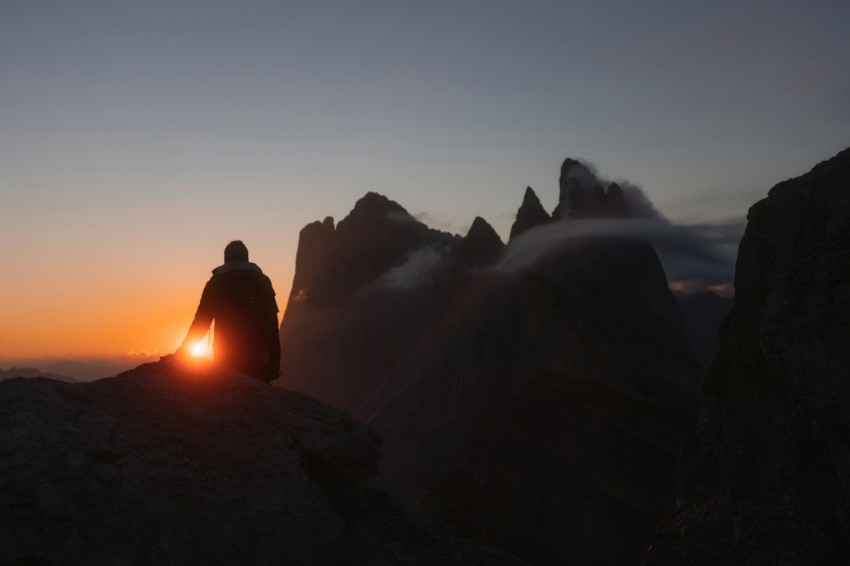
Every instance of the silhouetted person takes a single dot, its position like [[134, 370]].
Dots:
[[241, 300]]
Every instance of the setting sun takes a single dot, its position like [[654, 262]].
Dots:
[[201, 350]]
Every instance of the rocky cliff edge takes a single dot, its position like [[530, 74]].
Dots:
[[766, 477], [177, 464]]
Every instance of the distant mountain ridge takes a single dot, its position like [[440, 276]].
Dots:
[[82, 368], [14, 372]]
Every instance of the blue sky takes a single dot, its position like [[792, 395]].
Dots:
[[137, 138]]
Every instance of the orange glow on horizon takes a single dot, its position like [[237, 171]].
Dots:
[[691, 285], [137, 311]]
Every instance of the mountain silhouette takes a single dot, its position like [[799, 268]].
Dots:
[[580, 363], [547, 412]]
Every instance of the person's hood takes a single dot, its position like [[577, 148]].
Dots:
[[236, 266]]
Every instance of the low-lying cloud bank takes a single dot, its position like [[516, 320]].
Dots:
[[419, 269], [701, 252], [695, 257]]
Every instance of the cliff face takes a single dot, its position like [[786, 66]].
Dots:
[[573, 460], [361, 295], [766, 477], [177, 464], [459, 366]]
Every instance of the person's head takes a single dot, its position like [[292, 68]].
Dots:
[[235, 251]]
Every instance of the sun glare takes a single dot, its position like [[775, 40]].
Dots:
[[201, 350]]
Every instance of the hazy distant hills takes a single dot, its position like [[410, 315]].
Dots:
[[533, 394], [83, 369], [31, 372]]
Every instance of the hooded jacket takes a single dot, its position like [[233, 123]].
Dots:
[[241, 301]]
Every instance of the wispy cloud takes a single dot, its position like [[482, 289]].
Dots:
[[420, 268], [694, 252]]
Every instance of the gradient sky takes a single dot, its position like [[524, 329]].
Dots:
[[138, 138]]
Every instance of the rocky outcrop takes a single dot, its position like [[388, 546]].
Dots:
[[377, 235], [370, 286], [580, 192], [588, 337], [766, 477], [584, 195], [179, 464], [315, 257], [530, 214]]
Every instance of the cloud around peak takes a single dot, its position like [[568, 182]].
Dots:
[[700, 253]]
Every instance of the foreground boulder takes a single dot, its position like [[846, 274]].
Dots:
[[766, 478], [179, 464]]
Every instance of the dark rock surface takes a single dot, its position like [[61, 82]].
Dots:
[[446, 368], [584, 195], [571, 471], [558, 435], [615, 202], [704, 311], [580, 193], [481, 246], [172, 464], [766, 478], [530, 214], [343, 331]]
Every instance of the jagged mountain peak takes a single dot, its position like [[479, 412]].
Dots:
[[580, 193], [480, 228], [570, 167], [481, 246], [375, 205], [531, 213]]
